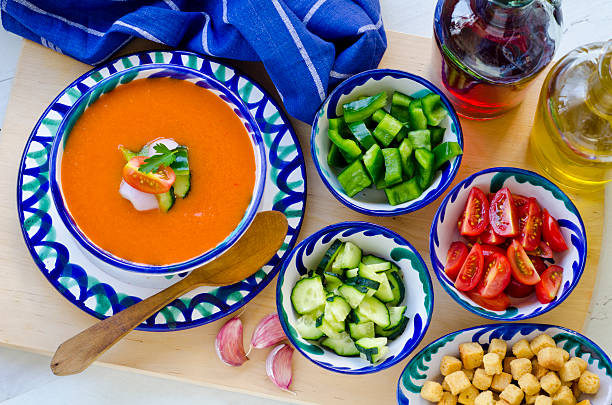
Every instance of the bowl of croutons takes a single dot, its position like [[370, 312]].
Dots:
[[508, 364]]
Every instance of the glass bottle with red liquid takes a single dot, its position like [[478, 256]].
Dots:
[[489, 51]]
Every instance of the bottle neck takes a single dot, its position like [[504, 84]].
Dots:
[[599, 97]]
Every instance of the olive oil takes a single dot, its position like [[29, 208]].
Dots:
[[572, 133]]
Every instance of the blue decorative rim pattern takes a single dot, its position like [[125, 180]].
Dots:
[[448, 171], [579, 242], [285, 180], [180, 73], [345, 229], [418, 366]]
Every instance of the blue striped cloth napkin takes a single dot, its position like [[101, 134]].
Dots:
[[307, 46]]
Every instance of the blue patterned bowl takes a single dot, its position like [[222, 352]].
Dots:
[[371, 201], [373, 239], [426, 364], [444, 231], [107, 260]]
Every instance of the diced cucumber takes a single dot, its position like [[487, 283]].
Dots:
[[363, 284], [398, 323], [358, 316], [370, 346], [342, 345], [371, 259], [395, 316], [337, 307], [182, 185], [382, 353], [332, 281], [375, 311], [306, 327], [397, 286], [307, 295], [368, 271], [361, 330], [165, 200], [329, 256], [378, 267], [349, 257], [330, 328], [351, 294], [351, 273]]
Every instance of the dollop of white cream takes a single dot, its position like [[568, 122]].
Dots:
[[141, 201]]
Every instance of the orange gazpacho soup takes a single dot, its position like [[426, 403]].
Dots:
[[221, 163]]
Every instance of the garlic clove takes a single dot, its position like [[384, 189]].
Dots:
[[267, 333], [228, 344], [278, 366]]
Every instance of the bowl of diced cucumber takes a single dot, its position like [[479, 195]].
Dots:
[[386, 142], [354, 298]]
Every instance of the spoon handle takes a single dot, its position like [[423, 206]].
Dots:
[[78, 352]]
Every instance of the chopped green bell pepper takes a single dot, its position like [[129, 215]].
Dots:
[[445, 152], [393, 166], [433, 108], [436, 134], [425, 167], [374, 163], [403, 192], [349, 148], [387, 128], [359, 110], [405, 150], [399, 106], [354, 178], [362, 134], [401, 134], [334, 157], [420, 139], [417, 117], [379, 115]]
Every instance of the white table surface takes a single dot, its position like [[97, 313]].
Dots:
[[25, 378]]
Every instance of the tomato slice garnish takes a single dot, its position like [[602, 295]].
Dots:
[[157, 182], [498, 303], [538, 264], [502, 214], [522, 268], [552, 232], [542, 250], [471, 271], [530, 225], [455, 258], [491, 238], [518, 290], [475, 214], [496, 276], [488, 250], [547, 289]]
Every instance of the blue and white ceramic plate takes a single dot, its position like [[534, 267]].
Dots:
[[444, 231], [426, 364], [371, 201], [102, 293], [372, 239]]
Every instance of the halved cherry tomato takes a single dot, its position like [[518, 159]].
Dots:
[[531, 229], [498, 303], [543, 250], [488, 250], [522, 268], [552, 233], [502, 214], [460, 221], [471, 271], [517, 289], [491, 238], [538, 264], [476, 211], [455, 258], [157, 182], [496, 276], [547, 289]]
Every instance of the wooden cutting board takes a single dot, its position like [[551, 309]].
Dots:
[[35, 317]]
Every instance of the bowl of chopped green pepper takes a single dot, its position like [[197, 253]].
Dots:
[[386, 142]]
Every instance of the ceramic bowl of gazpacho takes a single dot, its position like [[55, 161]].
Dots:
[[157, 170]]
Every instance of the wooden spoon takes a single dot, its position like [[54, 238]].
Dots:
[[252, 251]]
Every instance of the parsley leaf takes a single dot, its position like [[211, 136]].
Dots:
[[164, 157]]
